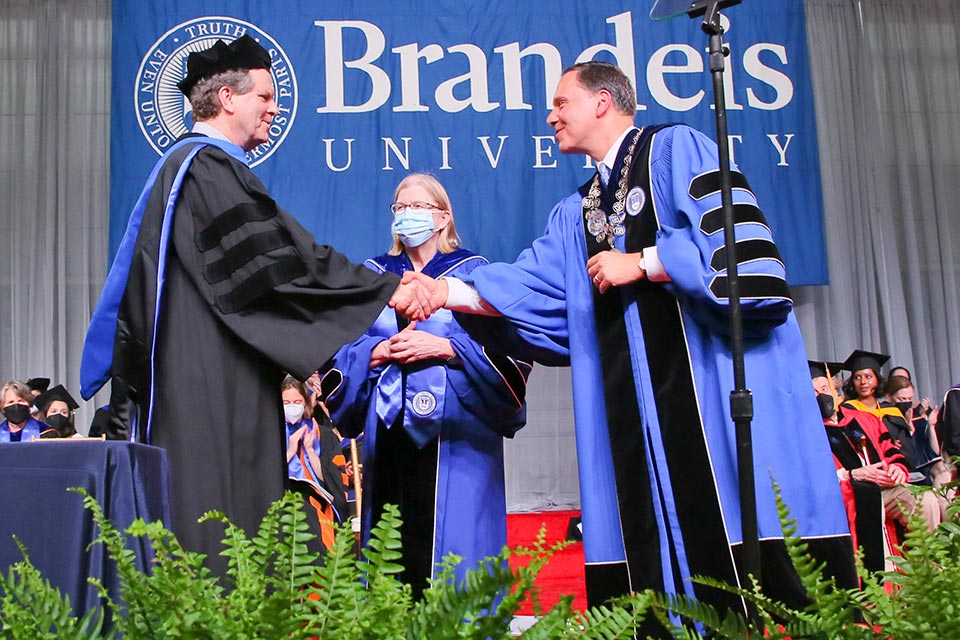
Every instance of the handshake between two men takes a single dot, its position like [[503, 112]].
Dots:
[[418, 296]]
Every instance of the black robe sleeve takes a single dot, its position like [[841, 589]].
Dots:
[[262, 274]]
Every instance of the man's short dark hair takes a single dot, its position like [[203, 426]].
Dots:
[[203, 95], [595, 75]]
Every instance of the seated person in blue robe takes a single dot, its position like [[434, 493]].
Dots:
[[16, 401], [434, 405]]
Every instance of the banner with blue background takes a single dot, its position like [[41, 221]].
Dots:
[[371, 90]]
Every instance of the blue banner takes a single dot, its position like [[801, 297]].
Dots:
[[371, 90]]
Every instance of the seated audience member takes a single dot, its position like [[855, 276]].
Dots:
[[865, 386], [37, 386], [913, 432], [867, 463], [56, 409], [311, 449], [865, 448], [924, 403], [948, 424], [17, 402]]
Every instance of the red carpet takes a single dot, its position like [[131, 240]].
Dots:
[[563, 573]]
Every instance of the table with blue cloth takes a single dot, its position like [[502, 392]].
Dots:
[[128, 480]]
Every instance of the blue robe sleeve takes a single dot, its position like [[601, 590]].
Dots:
[[353, 383], [690, 243], [531, 295], [491, 386]]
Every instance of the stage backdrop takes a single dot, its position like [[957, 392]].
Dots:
[[370, 90]]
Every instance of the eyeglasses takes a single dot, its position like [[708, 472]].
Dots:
[[399, 207]]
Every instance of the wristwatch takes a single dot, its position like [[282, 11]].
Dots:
[[642, 265]]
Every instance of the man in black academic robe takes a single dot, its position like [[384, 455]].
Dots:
[[246, 296]]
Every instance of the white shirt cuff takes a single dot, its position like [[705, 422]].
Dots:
[[464, 298], [655, 270]]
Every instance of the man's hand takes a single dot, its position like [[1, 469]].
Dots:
[[418, 296], [897, 475], [614, 269], [412, 345]]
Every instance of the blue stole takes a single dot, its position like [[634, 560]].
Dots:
[[96, 364], [418, 388], [33, 427]]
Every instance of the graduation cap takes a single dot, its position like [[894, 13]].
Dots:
[[38, 384], [860, 359], [818, 369], [44, 400], [242, 53]]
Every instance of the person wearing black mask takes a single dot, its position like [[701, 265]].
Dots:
[[56, 408], [17, 401]]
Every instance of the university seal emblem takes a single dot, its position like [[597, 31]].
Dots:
[[164, 114]]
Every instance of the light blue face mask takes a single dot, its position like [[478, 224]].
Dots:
[[414, 226]]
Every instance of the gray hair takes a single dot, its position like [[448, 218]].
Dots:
[[21, 390], [203, 96], [595, 75]]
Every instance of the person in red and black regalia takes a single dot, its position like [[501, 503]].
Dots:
[[868, 462]]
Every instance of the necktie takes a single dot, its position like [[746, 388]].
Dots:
[[604, 172]]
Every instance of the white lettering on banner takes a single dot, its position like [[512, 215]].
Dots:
[[215, 28], [404, 158], [780, 82], [484, 142], [622, 51], [335, 64], [410, 54], [411, 151], [328, 147], [731, 139], [473, 87], [513, 78], [541, 152], [657, 68], [477, 79], [781, 150], [445, 152]]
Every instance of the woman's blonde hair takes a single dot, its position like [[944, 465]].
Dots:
[[448, 240]]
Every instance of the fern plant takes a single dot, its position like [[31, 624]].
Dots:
[[276, 587]]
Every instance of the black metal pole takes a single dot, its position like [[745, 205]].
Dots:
[[741, 400]]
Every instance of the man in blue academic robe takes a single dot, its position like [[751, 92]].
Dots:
[[628, 286]]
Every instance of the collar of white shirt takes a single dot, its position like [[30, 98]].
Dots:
[[208, 130], [611, 157]]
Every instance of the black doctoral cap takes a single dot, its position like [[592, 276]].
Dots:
[[860, 359], [818, 368], [242, 53], [57, 393], [38, 384]]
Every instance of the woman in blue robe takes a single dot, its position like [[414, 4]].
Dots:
[[434, 406], [19, 426]]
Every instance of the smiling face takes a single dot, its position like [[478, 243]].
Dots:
[[865, 382], [252, 112], [574, 116]]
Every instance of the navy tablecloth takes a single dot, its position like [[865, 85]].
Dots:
[[128, 480]]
